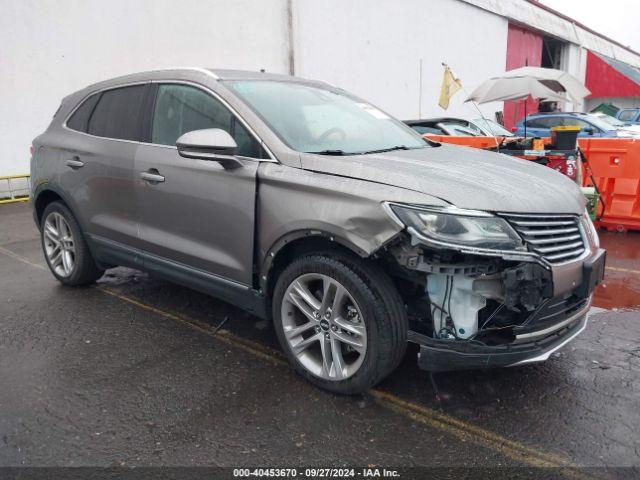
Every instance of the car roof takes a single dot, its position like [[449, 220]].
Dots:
[[552, 114], [435, 120], [174, 73]]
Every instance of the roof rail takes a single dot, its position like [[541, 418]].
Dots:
[[195, 69]]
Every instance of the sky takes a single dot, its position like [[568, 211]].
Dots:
[[617, 19]]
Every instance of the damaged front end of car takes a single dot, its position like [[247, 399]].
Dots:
[[489, 289]]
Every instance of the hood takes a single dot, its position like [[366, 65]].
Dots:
[[465, 177], [633, 130]]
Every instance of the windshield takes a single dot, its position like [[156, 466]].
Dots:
[[317, 120], [610, 120], [458, 130], [596, 121], [492, 127]]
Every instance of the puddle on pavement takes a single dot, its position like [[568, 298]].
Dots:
[[618, 294], [621, 286]]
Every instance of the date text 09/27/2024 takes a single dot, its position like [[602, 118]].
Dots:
[[315, 473]]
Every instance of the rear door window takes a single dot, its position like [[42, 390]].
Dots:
[[534, 123], [117, 113], [182, 108], [544, 122]]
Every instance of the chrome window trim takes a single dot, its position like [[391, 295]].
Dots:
[[215, 95], [96, 92]]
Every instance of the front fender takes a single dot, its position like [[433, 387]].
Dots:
[[293, 203]]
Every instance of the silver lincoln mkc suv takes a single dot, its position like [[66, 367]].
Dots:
[[306, 205]]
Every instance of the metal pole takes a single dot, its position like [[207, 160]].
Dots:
[[420, 92], [291, 38]]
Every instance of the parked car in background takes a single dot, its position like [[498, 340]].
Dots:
[[631, 128], [540, 124], [459, 127], [308, 206], [629, 115]]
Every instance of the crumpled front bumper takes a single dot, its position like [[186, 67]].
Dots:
[[438, 357], [555, 327]]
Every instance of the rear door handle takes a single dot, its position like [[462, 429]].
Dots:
[[75, 162], [152, 176]]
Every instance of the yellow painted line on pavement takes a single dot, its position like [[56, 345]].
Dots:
[[434, 419], [625, 270], [223, 335], [460, 429], [20, 258], [470, 433]]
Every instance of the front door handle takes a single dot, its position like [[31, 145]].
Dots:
[[75, 162], [152, 176]]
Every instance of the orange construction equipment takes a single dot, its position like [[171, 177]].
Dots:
[[614, 164], [475, 142]]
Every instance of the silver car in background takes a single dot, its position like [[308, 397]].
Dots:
[[304, 204], [459, 127]]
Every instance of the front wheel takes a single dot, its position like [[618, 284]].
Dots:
[[340, 321]]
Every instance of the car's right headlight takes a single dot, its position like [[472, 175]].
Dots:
[[464, 228]]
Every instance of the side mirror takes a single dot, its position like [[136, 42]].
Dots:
[[588, 130], [210, 144]]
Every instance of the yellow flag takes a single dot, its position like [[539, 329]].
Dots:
[[450, 85]]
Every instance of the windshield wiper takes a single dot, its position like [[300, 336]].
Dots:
[[331, 152], [432, 143], [390, 149]]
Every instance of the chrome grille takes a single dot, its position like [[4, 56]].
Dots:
[[557, 238]]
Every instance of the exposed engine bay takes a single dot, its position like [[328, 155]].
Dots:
[[459, 297]]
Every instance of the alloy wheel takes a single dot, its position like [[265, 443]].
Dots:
[[324, 327], [59, 245]]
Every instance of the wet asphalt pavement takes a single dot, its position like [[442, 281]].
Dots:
[[130, 372]]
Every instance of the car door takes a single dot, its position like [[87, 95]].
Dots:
[[195, 215], [586, 129], [98, 159]]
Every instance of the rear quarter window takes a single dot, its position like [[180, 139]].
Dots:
[[80, 118]]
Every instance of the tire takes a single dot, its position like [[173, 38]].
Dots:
[[371, 301], [78, 267]]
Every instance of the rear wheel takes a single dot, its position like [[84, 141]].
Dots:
[[65, 248], [340, 321]]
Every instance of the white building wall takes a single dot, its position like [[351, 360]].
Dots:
[[373, 49], [50, 48]]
